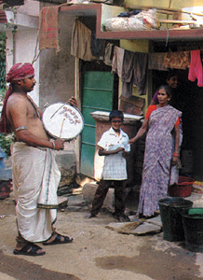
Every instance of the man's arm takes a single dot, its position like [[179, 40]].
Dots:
[[17, 112], [32, 140]]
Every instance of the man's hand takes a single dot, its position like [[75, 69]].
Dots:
[[59, 144], [73, 101]]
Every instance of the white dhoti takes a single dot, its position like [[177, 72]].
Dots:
[[35, 181]]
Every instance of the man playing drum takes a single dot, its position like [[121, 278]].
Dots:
[[35, 173]]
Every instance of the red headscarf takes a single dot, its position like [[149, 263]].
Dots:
[[18, 72]]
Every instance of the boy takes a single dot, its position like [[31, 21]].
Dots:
[[114, 146]]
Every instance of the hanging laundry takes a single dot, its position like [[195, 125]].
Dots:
[[97, 46], [49, 28], [140, 72], [108, 54], [195, 71], [127, 73], [177, 60], [117, 60], [134, 72], [81, 41], [156, 61]]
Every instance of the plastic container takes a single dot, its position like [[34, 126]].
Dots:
[[183, 188], [193, 228], [170, 209]]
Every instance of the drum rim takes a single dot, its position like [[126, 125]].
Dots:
[[56, 137]]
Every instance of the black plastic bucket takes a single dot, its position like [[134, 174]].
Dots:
[[193, 228], [170, 210]]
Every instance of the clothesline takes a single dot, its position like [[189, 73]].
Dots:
[[130, 66], [159, 61]]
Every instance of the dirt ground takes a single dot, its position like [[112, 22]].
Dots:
[[96, 252]]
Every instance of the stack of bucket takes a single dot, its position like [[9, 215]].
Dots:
[[181, 222], [193, 228]]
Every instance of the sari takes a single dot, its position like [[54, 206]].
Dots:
[[157, 158]]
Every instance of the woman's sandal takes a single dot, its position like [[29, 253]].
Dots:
[[30, 249], [58, 240]]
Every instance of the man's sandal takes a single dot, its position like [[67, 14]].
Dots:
[[30, 249], [58, 240]]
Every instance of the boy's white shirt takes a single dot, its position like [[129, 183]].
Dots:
[[112, 167]]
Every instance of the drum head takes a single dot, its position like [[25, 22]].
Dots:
[[63, 121]]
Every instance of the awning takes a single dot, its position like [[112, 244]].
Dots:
[[100, 10]]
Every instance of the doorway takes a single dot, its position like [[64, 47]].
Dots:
[[98, 92], [188, 98]]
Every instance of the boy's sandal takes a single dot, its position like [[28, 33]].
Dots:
[[30, 249], [58, 240]]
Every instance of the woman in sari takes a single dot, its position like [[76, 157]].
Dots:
[[161, 151]]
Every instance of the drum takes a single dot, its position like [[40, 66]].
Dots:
[[63, 121]]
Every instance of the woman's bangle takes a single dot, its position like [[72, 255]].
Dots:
[[175, 155], [53, 144]]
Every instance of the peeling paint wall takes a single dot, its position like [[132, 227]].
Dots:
[[57, 73], [57, 69]]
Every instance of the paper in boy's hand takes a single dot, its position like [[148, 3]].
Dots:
[[127, 147]]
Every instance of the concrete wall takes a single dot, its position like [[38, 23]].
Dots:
[[175, 4], [57, 70], [54, 72], [25, 42], [30, 7], [21, 48]]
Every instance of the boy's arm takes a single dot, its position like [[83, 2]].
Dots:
[[103, 152]]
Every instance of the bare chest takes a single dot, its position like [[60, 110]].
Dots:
[[32, 110]]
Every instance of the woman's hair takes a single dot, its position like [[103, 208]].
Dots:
[[116, 114], [167, 90]]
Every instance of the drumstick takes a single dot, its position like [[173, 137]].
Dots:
[[58, 109], [62, 127]]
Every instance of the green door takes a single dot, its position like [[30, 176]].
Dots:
[[97, 96]]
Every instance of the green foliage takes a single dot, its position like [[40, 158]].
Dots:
[[5, 142], [2, 46], [2, 95], [6, 139]]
